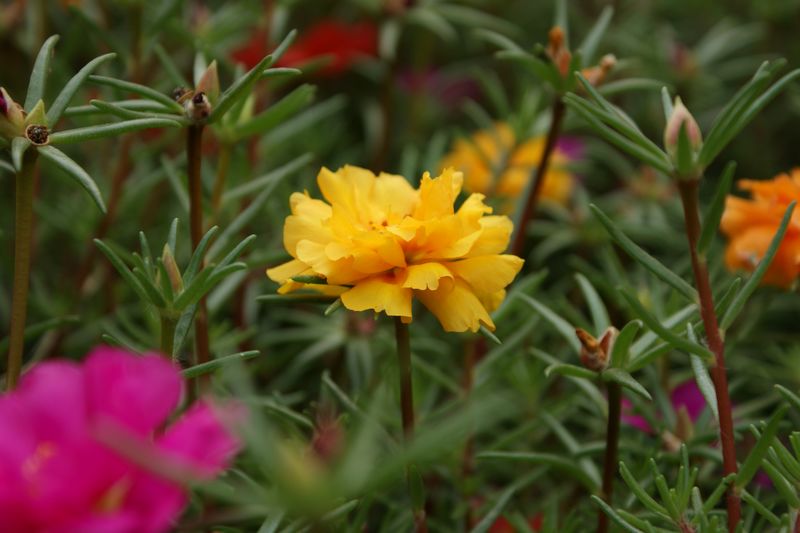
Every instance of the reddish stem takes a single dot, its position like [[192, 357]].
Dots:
[[612, 447], [689, 198], [529, 209]]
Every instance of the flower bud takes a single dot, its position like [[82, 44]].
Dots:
[[557, 50], [209, 82], [595, 354], [12, 118], [181, 94], [681, 117], [198, 108], [175, 279]]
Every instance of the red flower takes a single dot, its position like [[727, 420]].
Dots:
[[253, 51], [501, 525], [342, 43]]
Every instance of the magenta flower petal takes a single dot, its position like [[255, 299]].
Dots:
[[637, 421], [136, 392], [201, 438], [688, 395]]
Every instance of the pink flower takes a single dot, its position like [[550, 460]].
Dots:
[[685, 396], [85, 448]]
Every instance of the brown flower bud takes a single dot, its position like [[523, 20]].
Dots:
[[595, 354], [181, 94], [209, 82]]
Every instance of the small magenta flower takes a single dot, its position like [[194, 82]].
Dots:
[[687, 402], [87, 448]]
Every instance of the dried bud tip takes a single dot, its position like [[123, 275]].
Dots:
[[198, 108], [37, 134], [180, 94], [595, 354], [555, 38]]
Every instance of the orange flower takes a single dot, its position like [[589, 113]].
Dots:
[[751, 224], [479, 157]]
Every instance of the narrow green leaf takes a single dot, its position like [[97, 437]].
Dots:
[[182, 329], [645, 259], [110, 130], [498, 39], [172, 236], [268, 180], [564, 464], [704, 383], [196, 261], [194, 290], [238, 90], [153, 295], [752, 284], [760, 508], [493, 513], [218, 274], [755, 459], [483, 330], [129, 114], [617, 375], [716, 495], [165, 282], [629, 84], [597, 308], [575, 371], [73, 170], [566, 329], [236, 251], [41, 69], [715, 210], [219, 362], [716, 139], [123, 269], [63, 99], [665, 333], [789, 396], [277, 112], [782, 485], [141, 90], [666, 104], [613, 515], [284, 45], [170, 68], [278, 72], [622, 344], [18, 147], [641, 494], [589, 45], [657, 160]]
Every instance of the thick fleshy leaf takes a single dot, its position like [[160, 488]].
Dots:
[[110, 130], [141, 90], [65, 96], [73, 170], [41, 68]]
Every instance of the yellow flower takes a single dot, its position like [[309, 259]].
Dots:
[[487, 150], [379, 243]]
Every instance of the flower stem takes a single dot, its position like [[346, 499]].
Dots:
[[689, 198], [612, 446], [23, 242], [407, 404], [167, 343], [194, 140], [534, 191]]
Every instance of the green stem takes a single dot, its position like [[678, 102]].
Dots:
[[167, 343], [535, 190], [23, 242], [689, 198], [612, 447], [407, 403], [194, 140]]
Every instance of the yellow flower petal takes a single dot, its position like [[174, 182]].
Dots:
[[287, 270], [457, 309], [489, 273], [495, 234], [426, 276], [379, 294]]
